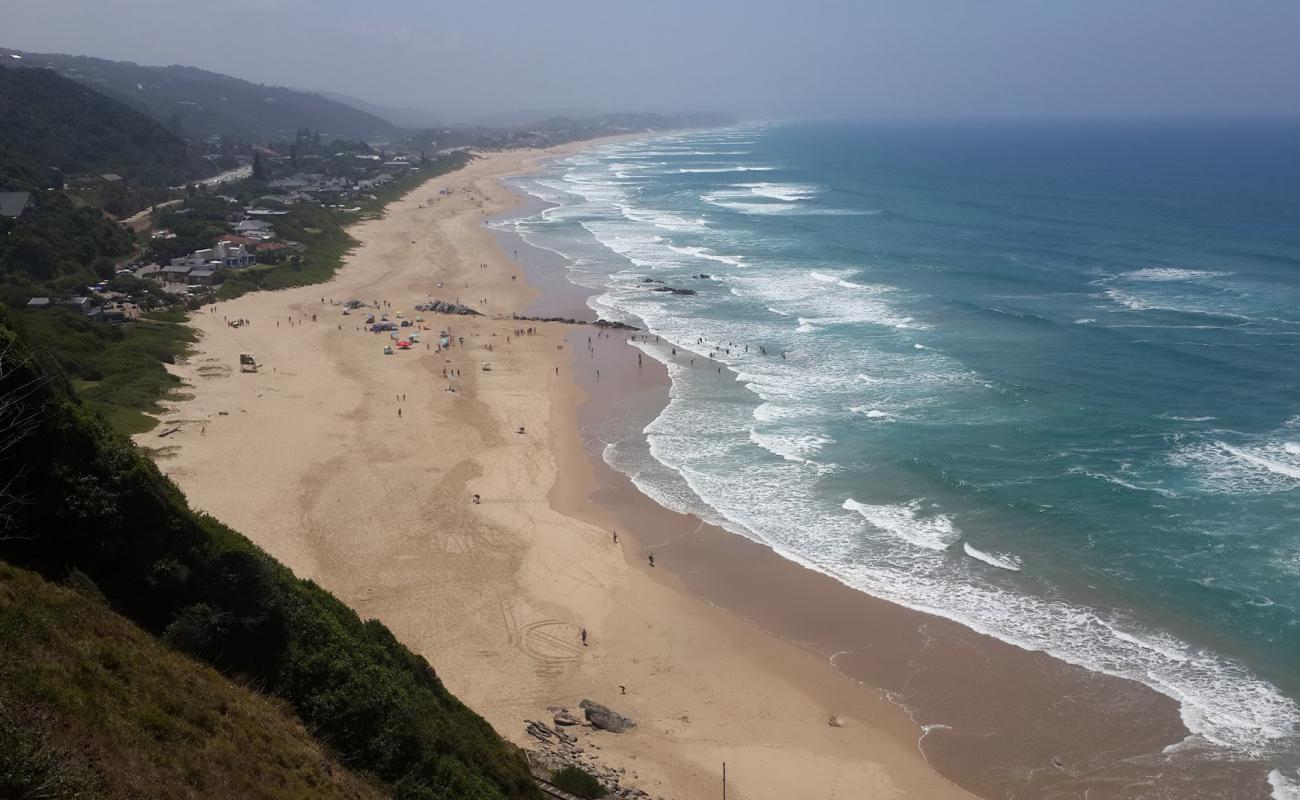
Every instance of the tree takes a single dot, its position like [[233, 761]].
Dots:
[[259, 169]]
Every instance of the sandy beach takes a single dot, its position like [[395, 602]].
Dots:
[[357, 469]]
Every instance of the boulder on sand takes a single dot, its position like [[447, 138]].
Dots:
[[605, 719]]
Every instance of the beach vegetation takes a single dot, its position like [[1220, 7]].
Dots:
[[92, 707], [578, 781], [119, 371]]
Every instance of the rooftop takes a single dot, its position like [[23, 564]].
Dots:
[[13, 204]]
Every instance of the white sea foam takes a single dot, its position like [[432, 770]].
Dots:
[[1134, 303], [1001, 561], [1224, 468], [708, 170], [934, 532], [790, 209], [1291, 471], [1284, 788], [805, 295], [1167, 274], [839, 280], [762, 209], [1117, 481], [663, 219], [707, 254], [1181, 305], [785, 192], [791, 447]]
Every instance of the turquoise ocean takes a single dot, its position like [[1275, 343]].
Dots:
[[1039, 378]]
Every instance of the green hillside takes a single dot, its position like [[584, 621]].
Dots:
[[203, 104], [58, 248], [93, 707], [80, 500], [49, 121]]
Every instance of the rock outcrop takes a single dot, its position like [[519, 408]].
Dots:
[[604, 718], [558, 748], [443, 307]]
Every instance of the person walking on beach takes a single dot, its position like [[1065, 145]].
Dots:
[[615, 537], [652, 559], [584, 637]]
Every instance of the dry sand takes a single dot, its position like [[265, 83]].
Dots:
[[310, 459]]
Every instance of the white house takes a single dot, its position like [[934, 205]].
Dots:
[[206, 265]]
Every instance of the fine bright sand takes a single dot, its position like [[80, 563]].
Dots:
[[310, 459]]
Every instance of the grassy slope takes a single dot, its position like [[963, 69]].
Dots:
[[90, 502], [118, 370], [93, 707]]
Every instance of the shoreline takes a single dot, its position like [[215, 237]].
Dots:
[[356, 470], [1050, 729]]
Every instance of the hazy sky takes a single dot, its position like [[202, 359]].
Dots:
[[755, 58]]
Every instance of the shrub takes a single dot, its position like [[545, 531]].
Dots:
[[575, 780]]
